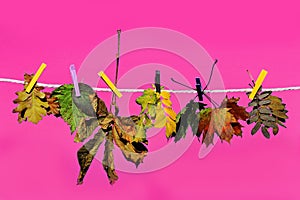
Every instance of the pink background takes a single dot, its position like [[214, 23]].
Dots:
[[39, 162]]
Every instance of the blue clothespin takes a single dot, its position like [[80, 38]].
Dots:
[[199, 89], [157, 81]]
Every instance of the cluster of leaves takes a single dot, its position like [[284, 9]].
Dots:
[[93, 124], [88, 116], [268, 111], [207, 122]]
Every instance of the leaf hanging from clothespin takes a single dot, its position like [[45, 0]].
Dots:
[[32, 106]]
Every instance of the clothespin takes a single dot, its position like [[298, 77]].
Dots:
[[157, 81], [199, 89], [110, 84], [74, 78], [258, 83], [35, 77]]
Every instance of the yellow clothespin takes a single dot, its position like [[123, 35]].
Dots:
[[258, 83], [36, 77], [109, 84]]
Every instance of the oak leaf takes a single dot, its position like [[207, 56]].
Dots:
[[31, 106]]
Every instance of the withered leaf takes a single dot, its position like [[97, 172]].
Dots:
[[271, 113], [108, 159], [237, 111], [54, 107], [31, 106], [187, 117], [265, 132], [85, 129], [87, 153], [255, 128], [133, 152]]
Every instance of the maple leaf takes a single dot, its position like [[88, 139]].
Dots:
[[239, 112], [188, 116], [223, 121], [31, 106], [267, 112]]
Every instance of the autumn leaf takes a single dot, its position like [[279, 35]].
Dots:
[[124, 132], [169, 113], [188, 116], [267, 113], [54, 107], [31, 106], [223, 121], [133, 152], [239, 112], [108, 159], [148, 102], [158, 107], [87, 153], [85, 128]]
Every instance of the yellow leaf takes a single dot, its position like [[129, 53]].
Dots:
[[170, 113], [160, 119], [31, 106], [165, 95], [170, 127]]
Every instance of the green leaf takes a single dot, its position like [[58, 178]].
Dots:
[[147, 99], [69, 111], [187, 117]]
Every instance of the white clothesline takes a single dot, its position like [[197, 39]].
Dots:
[[8, 80]]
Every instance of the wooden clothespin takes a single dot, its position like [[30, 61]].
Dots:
[[199, 89], [74, 78], [35, 77], [258, 83], [157, 81], [110, 84]]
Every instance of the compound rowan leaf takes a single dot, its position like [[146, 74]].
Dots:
[[31, 106], [268, 112]]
